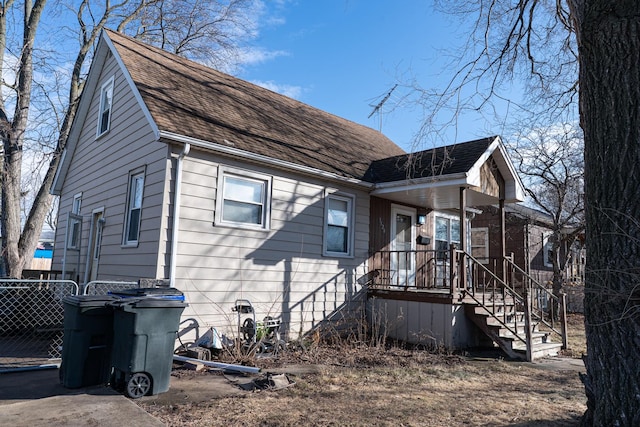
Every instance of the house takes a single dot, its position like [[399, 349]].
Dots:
[[230, 191]]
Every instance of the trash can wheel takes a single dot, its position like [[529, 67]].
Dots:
[[138, 385]]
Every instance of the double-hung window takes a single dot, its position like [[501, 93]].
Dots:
[[547, 248], [75, 223], [338, 230], [243, 199], [134, 209], [106, 104]]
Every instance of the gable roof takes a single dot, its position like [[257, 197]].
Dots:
[[187, 102], [188, 99], [436, 162], [433, 178]]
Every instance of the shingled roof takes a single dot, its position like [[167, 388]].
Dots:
[[441, 161], [189, 99]]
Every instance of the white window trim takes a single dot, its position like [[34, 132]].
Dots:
[[351, 203], [266, 198], [105, 86], [76, 204], [127, 215], [449, 217], [74, 235], [546, 249]]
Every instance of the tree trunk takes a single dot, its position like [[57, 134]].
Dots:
[[609, 51]]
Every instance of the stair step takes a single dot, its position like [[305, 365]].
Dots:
[[536, 337], [506, 330], [492, 322], [542, 350], [499, 309]]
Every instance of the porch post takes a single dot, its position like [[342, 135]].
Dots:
[[463, 237], [503, 252]]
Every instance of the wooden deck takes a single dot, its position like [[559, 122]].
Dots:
[[517, 313]]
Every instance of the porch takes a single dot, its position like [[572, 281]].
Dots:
[[449, 298]]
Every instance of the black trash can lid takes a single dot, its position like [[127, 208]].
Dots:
[[146, 302], [88, 300], [164, 293]]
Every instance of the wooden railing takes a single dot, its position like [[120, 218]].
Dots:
[[499, 298], [546, 307], [415, 269], [510, 295], [519, 290]]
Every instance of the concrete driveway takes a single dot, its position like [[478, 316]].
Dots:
[[36, 398]]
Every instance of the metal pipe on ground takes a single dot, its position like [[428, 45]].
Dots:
[[219, 365]]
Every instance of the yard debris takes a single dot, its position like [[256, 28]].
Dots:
[[194, 366], [268, 381]]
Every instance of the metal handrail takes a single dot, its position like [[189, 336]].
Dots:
[[538, 313], [517, 299]]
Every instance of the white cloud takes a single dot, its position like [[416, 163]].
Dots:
[[288, 90], [253, 56]]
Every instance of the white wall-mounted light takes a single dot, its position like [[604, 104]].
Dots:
[[422, 219]]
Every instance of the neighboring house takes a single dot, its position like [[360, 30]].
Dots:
[[231, 191], [528, 238]]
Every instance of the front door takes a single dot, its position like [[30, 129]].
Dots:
[[403, 256]]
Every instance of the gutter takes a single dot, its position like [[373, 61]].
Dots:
[[457, 179], [176, 215], [258, 158]]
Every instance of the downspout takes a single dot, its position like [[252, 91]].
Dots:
[[176, 215]]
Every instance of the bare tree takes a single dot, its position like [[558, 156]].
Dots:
[[551, 164], [34, 114], [561, 49]]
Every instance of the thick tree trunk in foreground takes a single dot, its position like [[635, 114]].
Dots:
[[609, 51]]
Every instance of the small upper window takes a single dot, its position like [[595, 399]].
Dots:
[[134, 209], [77, 203], [338, 232], [243, 199], [106, 104]]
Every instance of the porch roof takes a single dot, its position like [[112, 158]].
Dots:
[[433, 178]]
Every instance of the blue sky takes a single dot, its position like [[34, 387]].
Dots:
[[343, 56]]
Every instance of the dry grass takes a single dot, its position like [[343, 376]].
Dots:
[[576, 336], [357, 386]]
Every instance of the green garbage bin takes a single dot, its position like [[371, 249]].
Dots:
[[144, 340], [87, 340]]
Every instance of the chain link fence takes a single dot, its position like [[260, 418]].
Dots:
[[100, 287], [32, 319]]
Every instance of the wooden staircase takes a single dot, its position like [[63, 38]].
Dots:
[[516, 313], [505, 324]]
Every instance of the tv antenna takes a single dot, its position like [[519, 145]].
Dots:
[[378, 107]]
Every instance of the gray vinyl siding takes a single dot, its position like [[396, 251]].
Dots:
[[281, 271], [100, 171]]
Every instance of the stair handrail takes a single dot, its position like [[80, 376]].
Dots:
[[517, 298], [538, 314]]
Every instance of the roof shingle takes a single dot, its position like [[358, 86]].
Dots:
[[440, 161], [187, 98]]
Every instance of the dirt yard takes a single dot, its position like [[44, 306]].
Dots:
[[357, 386]]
